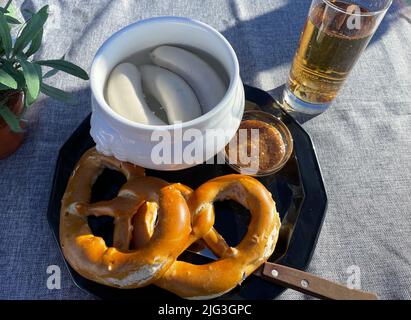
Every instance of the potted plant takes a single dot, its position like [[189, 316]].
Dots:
[[21, 77]]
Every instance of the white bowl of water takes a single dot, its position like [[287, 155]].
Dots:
[[166, 147]]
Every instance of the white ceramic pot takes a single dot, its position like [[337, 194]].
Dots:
[[130, 141]]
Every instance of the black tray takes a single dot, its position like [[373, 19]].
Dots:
[[298, 190]]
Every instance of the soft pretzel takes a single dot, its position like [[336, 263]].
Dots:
[[119, 266], [155, 222], [235, 264]]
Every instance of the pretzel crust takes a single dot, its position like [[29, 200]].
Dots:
[[118, 266], [235, 264]]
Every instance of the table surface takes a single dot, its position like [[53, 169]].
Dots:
[[363, 142]]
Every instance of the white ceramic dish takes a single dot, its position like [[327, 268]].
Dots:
[[130, 141]]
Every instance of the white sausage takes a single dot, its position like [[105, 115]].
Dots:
[[204, 80], [172, 92], [125, 95]]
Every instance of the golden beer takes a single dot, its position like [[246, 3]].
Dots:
[[330, 45]]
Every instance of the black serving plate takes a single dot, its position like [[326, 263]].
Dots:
[[298, 190]]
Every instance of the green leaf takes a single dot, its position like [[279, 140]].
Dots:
[[65, 66], [5, 35], [7, 80], [12, 20], [35, 44], [16, 74], [6, 7], [50, 73], [4, 88], [33, 27], [11, 13], [53, 72], [58, 94], [32, 75], [11, 119]]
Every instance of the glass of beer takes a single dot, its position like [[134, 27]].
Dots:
[[334, 36]]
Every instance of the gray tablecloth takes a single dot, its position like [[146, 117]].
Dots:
[[363, 141]]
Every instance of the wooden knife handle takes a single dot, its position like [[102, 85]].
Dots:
[[310, 284]]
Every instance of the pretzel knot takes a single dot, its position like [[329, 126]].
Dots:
[[235, 264], [155, 222], [119, 266]]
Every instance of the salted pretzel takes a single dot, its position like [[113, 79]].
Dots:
[[235, 264], [122, 266]]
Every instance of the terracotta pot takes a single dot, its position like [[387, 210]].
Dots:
[[10, 141]]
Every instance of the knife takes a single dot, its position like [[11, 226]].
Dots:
[[301, 281], [309, 284]]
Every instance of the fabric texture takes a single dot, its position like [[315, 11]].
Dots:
[[363, 142]]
